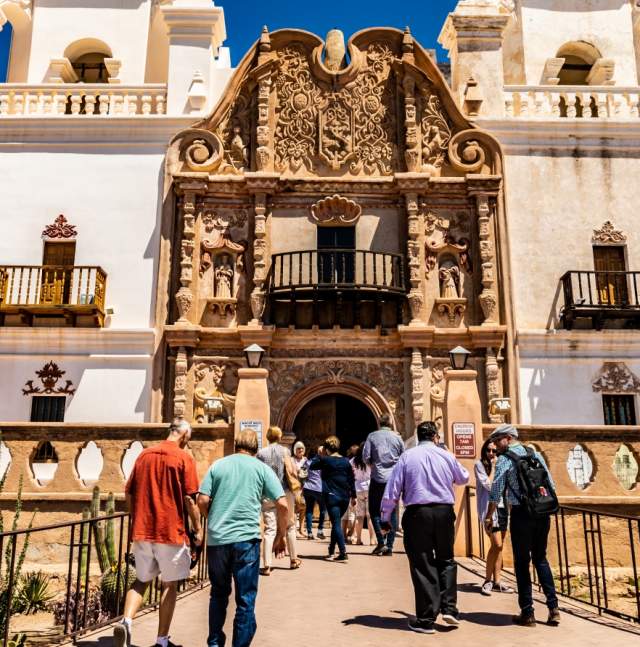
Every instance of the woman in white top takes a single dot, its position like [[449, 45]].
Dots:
[[299, 460], [362, 475], [483, 468]]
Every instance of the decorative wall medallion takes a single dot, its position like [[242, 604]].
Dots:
[[615, 377], [60, 229], [335, 211], [49, 375], [608, 235]]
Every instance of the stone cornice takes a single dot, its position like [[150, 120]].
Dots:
[[520, 136], [473, 31], [76, 341], [579, 344]]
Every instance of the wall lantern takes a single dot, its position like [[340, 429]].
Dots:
[[458, 358], [254, 354]]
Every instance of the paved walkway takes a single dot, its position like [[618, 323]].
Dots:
[[366, 603]]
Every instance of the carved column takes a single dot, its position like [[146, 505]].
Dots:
[[412, 154], [488, 296], [180, 383], [416, 296], [492, 376], [258, 296], [417, 385], [263, 131], [184, 296]]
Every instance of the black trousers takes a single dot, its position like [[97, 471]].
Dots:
[[428, 539], [529, 542]]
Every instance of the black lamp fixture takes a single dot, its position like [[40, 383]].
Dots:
[[458, 358], [254, 354]]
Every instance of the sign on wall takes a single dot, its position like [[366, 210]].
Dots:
[[253, 425], [464, 439]]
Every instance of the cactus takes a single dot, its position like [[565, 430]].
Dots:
[[84, 539]]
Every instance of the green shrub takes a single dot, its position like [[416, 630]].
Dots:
[[33, 593]]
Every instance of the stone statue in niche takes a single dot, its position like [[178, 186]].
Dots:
[[449, 280], [238, 150], [224, 278]]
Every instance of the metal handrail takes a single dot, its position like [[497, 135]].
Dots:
[[337, 268], [601, 289]]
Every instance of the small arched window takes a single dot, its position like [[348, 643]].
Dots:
[[579, 58], [87, 56]]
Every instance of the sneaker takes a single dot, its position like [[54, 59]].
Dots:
[[122, 635], [421, 629], [451, 619], [310, 536], [486, 589], [378, 549], [342, 557], [320, 535], [386, 552], [554, 617], [502, 588], [524, 620]]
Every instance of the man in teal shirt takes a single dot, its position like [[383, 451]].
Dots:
[[231, 495]]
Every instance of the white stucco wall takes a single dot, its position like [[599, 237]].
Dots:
[[606, 24], [112, 199], [555, 200]]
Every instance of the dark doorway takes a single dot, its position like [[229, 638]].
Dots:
[[346, 417]]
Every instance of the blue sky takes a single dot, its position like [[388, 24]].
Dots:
[[245, 19]]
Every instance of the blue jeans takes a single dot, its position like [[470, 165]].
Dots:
[[336, 507], [240, 562], [311, 497], [376, 492]]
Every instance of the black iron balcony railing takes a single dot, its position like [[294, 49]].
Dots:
[[600, 296], [28, 291], [337, 269], [344, 287]]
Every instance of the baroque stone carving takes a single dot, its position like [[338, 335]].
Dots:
[[200, 150], [234, 133], [335, 211], [61, 228], [184, 296], [488, 297], [180, 383], [608, 235], [49, 375], [209, 375], [417, 385], [436, 392], [449, 280], [492, 376], [615, 377], [447, 235], [436, 132]]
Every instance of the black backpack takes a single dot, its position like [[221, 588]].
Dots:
[[537, 493]]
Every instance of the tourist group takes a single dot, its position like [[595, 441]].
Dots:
[[259, 502]]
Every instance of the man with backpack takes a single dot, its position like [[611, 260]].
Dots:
[[522, 476]]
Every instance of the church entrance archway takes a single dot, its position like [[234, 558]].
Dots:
[[334, 413]]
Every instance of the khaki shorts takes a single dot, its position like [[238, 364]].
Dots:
[[170, 561]]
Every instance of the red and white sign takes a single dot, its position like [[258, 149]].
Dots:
[[464, 439]]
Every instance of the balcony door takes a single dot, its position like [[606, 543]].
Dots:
[[57, 272], [336, 255], [612, 287]]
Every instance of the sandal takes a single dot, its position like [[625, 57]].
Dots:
[[265, 570], [295, 563]]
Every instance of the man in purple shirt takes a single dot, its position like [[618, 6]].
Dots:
[[424, 477]]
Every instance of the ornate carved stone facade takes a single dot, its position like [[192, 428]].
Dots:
[[308, 138], [615, 377]]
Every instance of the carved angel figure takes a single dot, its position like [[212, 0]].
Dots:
[[238, 150], [449, 281], [224, 278]]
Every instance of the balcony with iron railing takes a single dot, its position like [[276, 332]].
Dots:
[[79, 99], [573, 102], [343, 287], [598, 297], [56, 295]]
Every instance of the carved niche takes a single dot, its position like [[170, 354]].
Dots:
[[608, 235], [49, 376], [616, 377], [335, 211], [221, 266]]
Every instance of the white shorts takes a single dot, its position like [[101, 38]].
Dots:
[[170, 561]]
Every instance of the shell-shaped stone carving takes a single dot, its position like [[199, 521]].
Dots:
[[336, 210]]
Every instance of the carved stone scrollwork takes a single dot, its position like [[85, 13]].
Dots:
[[335, 211], [180, 383], [615, 377], [201, 150], [209, 375], [436, 132], [447, 235], [453, 309], [417, 385], [415, 297], [492, 376], [436, 392], [184, 296], [466, 154], [608, 235]]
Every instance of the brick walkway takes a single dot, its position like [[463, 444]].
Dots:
[[365, 603]]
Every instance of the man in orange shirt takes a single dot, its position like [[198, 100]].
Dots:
[[162, 483]]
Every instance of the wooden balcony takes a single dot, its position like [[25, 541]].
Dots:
[[330, 287], [601, 297], [47, 295]]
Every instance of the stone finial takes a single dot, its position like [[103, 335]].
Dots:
[[407, 41], [265, 40], [335, 50]]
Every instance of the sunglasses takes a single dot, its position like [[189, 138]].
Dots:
[[491, 451]]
